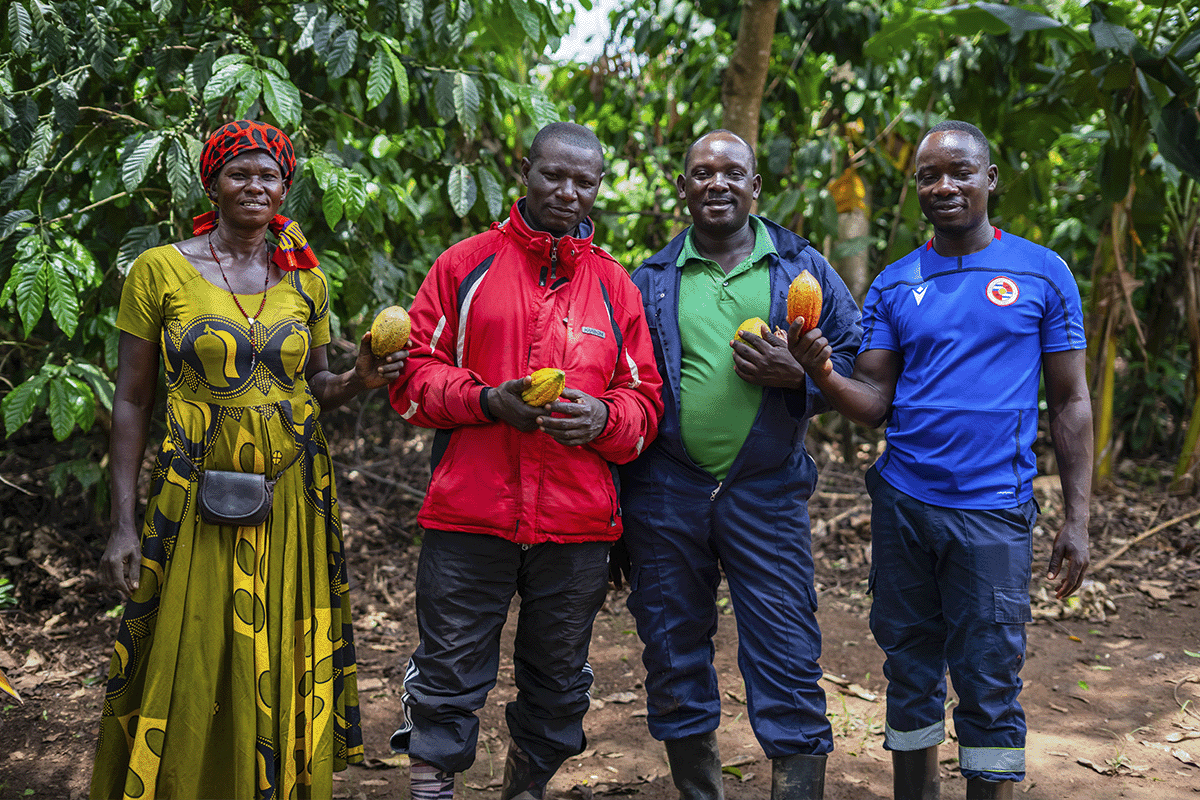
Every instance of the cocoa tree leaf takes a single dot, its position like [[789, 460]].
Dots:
[[466, 101], [250, 87], [400, 75], [31, 289], [66, 106], [19, 404], [443, 96], [461, 187], [10, 221], [355, 196], [333, 202], [20, 28], [134, 243], [224, 78], [326, 33], [179, 171], [60, 409], [102, 387], [493, 194], [282, 98], [60, 290], [138, 159], [379, 77], [412, 12], [528, 19], [342, 52]]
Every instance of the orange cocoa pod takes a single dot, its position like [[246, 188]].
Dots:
[[804, 300], [546, 386]]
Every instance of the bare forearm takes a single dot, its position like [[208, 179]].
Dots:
[[127, 446], [1071, 431], [332, 390], [856, 400]]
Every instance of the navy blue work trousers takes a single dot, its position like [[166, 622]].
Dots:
[[680, 535], [465, 582], [951, 590]]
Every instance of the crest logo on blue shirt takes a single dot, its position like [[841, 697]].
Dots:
[[1003, 291], [919, 293]]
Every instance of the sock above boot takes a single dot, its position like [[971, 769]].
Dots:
[[428, 782]]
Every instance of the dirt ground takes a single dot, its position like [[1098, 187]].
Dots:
[[1112, 680]]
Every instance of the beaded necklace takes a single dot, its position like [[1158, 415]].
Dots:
[[258, 332]]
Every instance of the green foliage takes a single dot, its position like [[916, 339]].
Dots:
[[405, 115], [410, 118], [1078, 99], [8, 597]]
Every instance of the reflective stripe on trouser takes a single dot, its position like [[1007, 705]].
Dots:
[[464, 585], [909, 741], [678, 539], [950, 589]]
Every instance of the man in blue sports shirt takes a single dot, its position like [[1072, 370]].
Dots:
[[955, 337]]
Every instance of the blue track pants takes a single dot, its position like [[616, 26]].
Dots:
[[951, 590], [680, 536]]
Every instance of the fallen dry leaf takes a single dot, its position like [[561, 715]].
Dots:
[[1090, 765], [1159, 590], [861, 693], [621, 697], [1183, 756]]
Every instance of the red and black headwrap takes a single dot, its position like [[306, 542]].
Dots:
[[232, 140]]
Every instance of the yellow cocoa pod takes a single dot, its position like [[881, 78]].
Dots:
[[753, 325], [546, 386], [804, 300], [390, 330]]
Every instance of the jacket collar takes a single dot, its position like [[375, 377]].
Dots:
[[571, 249], [788, 245]]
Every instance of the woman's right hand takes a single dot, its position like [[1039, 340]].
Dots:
[[121, 564]]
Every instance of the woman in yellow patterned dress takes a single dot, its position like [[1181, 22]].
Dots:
[[233, 674]]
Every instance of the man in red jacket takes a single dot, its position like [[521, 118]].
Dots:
[[521, 499]]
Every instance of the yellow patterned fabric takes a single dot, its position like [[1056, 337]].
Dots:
[[233, 674]]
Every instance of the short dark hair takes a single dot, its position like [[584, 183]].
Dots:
[[961, 127], [688, 155], [570, 133]]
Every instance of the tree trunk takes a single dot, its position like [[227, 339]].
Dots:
[[746, 75], [1110, 292], [1185, 227]]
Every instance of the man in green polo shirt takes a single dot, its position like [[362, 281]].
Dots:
[[725, 485], [718, 406]]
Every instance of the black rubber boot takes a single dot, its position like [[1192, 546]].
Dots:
[[798, 777], [696, 767], [519, 783], [979, 789], [915, 774]]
